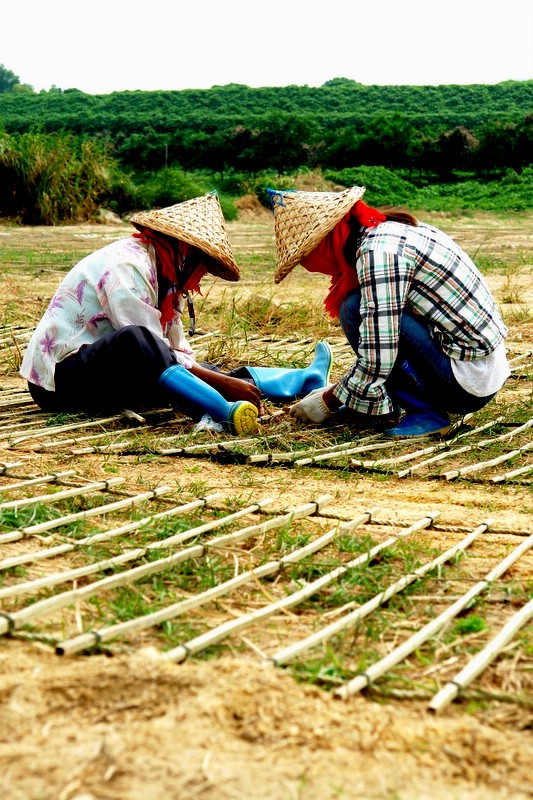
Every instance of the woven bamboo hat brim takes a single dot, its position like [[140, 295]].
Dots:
[[199, 222], [303, 219]]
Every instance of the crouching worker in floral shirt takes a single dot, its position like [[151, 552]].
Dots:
[[112, 336], [427, 336]]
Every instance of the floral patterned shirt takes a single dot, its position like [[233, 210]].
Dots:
[[111, 288]]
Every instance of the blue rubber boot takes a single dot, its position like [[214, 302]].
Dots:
[[291, 384], [195, 398], [421, 417]]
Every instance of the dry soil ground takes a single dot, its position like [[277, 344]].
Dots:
[[133, 726]]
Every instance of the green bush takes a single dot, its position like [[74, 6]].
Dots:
[[383, 187], [514, 192], [51, 178], [172, 185]]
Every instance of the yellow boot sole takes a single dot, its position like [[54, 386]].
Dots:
[[244, 420]]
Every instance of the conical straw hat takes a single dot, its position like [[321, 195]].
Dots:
[[199, 222], [303, 219]]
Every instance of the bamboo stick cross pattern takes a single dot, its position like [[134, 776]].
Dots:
[[214, 636], [39, 609], [349, 620], [98, 637], [401, 652]]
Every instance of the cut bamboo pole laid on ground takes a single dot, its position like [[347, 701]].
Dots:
[[52, 431], [131, 555], [481, 660], [209, 638], [51, 478], [42, 527], [345, 450], [349, 450], [103, 536], [514, 473], [171, 541], [403, 473], [45, 447], [5, 468], [440, 446], [411, 644], [97, 637], [179, 538], [272, 458], [52, 497], [479, 467], [484, 443], [289, 653], [513, 362]]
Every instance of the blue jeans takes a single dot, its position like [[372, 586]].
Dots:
[[423, 354]]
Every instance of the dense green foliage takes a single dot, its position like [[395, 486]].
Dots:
[[336, 103], [339, 124], [9, 82], [49, 179], [512, 192], [157, 148]]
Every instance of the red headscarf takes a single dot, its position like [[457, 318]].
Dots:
[[166, 266], [329, 258]]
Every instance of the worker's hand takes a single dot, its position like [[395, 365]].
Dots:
[[233, 389], [312, 408]]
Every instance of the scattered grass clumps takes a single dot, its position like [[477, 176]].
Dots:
[[50, 178]]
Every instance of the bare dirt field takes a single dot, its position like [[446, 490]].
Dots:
[[223, 723]]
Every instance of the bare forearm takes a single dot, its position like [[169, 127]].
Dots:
[[230, 388]]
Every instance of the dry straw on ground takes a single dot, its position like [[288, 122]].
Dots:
[[121, 720]]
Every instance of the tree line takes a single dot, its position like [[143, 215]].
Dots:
[[429, 130]]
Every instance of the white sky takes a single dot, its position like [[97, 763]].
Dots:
[[101, 46]]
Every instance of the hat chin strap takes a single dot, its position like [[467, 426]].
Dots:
[[189, 281]]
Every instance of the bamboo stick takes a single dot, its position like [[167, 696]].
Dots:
[[50, 552], [62, 428], [271, 458], [466, 448], [51, 478], [403, 473], [522, 357], [411, 644], [46, 446], [481, 660], [512, 474], [130, 555], [32, 530], [4, 468], [215, 635], [289, 653], [458, 473], [345, 450], [45, 499], [396, 459], [73, 574], [94, 637]]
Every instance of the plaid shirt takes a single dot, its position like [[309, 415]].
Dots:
[[422, 269]]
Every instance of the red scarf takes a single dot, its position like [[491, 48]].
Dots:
[[329, 258], [166, 266]]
